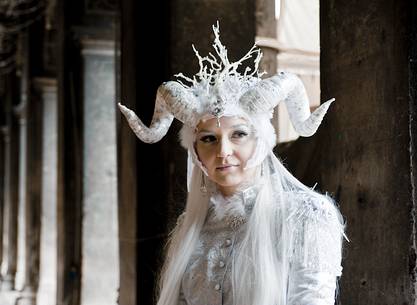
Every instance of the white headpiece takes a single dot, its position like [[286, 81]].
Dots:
[[219, 89]]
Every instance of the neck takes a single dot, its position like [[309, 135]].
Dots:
[[227, 191]]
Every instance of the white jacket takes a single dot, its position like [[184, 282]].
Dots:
[[314, 266]]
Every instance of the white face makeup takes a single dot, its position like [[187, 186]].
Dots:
[[225, 150]]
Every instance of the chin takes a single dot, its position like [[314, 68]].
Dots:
[[229, 182]]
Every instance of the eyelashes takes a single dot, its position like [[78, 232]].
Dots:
[[240, 134], [236, 135], [208, 139]]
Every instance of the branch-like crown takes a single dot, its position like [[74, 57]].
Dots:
[[218, 84]]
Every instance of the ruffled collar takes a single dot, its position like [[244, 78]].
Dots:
[[233, 210]]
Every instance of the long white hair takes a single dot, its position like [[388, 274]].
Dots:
[[261, 264]]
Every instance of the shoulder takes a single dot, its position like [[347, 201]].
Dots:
[[314, 208], [316, 229]]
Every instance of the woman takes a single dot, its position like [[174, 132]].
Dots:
[[251, 233]]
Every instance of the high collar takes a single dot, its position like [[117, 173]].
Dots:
[[244, 196], [233, 210]]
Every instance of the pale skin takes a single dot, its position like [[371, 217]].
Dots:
[[225, 150]]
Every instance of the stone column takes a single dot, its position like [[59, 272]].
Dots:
[[7, 275], [20, 111], [11, 166], [29, 186], [21, 230], [27, 229], [266, 37], [3, 128], [127, 151], [48, 238], [2, 176], [8, 268], [266, 31], [100, 248], [69, 161]]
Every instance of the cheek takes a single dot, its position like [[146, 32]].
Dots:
[[247, 151], [203, 154]]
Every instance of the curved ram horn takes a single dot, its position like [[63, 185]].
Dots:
[[289, 88], [171, 100]]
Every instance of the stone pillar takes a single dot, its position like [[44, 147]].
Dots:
[[47, 293], [100, 251], [29, 114], [21, 236], [266, 37], [8, 268], [11, 167], [24, 215], [69, 159], [3, 128], [2, 176], [28, 204], [6, 275], [266, 31], [126, 153]]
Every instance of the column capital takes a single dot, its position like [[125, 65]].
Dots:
[[5, 132], [45, 84], [20, 111], [97, 47]]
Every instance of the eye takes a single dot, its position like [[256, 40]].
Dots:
[[239, 134], [208, 139]]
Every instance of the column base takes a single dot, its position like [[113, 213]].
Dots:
[[26, 297], [25, 301], [7, 283]]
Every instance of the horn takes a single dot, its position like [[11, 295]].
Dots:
[[289, 88], [172, 99]]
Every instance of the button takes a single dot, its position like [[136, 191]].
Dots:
[[217, 287], [221, 264], [228, 242]]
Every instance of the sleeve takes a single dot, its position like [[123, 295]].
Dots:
[[315, 264]]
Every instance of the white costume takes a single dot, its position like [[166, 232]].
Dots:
[[314, 264], [277, 242]]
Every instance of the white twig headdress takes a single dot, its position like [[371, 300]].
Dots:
[[219, 89]]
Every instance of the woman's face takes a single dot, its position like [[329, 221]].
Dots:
[[225, 150]]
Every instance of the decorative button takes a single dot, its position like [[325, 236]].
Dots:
[[228, 242], [221, 264], [217, 287]]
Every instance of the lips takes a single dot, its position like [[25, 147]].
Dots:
[[226, 167]]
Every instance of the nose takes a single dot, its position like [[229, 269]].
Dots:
[[224, 148]]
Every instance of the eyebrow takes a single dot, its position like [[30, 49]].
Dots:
[[231, 127]]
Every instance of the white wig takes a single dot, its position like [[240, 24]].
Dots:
[[260, 267]]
